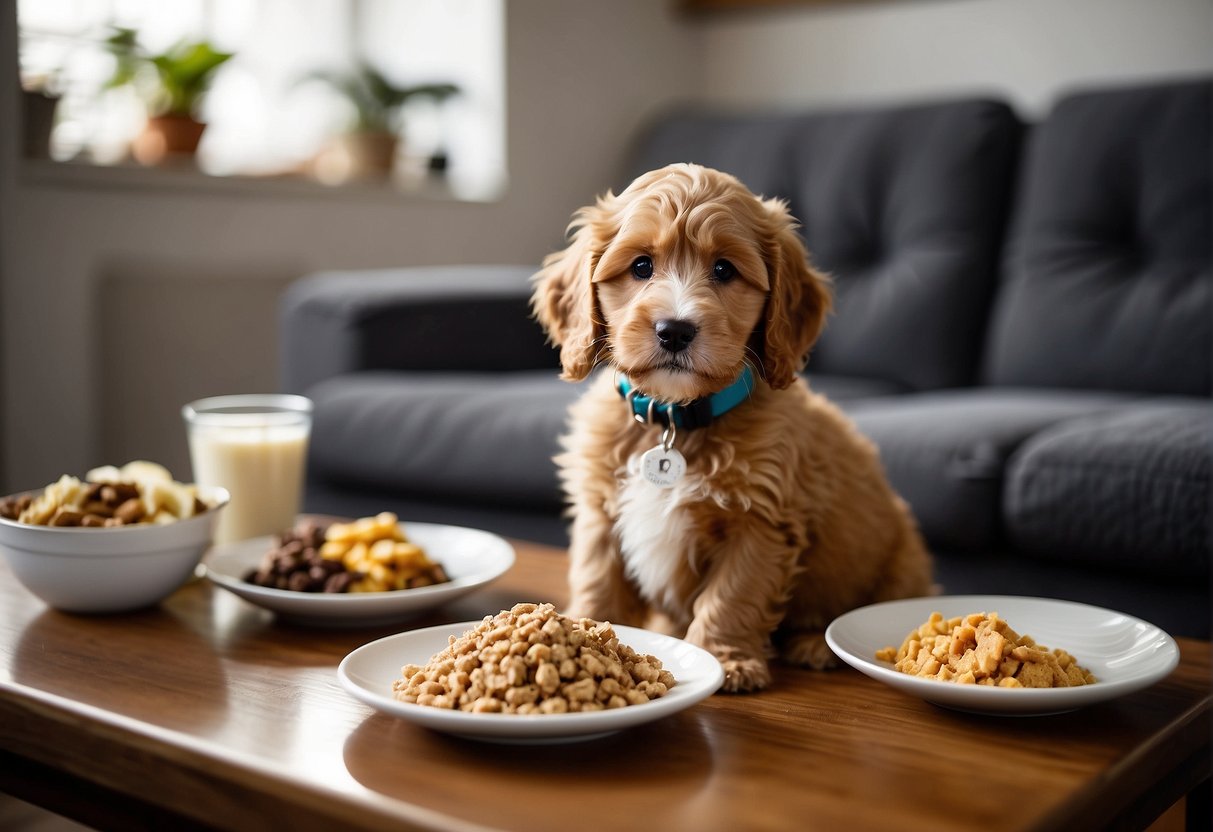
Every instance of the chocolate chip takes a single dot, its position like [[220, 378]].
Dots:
[[11, 508], [299, 582], [339, 582], [295, 563], [65, 516], [130, 511]]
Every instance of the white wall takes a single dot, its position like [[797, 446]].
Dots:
[[1025, 51]]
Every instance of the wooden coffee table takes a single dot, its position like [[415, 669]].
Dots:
[[205, 712]]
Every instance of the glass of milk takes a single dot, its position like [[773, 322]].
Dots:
[[255, 446]]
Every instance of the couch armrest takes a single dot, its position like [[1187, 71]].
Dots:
[[442, 318]]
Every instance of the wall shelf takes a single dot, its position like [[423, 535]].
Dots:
[[44, 173]]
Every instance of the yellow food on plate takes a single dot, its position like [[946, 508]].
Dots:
[[530, 659], [981, 649], [378, 549]]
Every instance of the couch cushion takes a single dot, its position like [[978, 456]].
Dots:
[[431, 318], [946, 452], [476, 437], [754, 148], [1108, 282], [1126, 489], [843, 389], [904, 206]]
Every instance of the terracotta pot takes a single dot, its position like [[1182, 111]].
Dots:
[[166, 137], [373, 153], [354, 156]]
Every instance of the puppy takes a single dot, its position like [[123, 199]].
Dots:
[[761, 513]]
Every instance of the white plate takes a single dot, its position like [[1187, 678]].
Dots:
[[368, 672], [1125, 653], [471, 559]]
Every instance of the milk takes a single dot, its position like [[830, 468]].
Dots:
[[259, 457]]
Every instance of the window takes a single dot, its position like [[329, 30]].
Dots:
[[276, 108]]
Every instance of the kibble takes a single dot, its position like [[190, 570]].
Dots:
[[532, 660]]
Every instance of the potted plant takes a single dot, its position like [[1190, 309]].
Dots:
[[369, 145], [173, 83]]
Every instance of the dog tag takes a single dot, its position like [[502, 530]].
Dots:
[[663, 466]]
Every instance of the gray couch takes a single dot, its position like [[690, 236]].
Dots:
[[1024, 326]]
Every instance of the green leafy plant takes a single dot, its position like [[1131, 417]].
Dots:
[[377, 101], [173, 81]]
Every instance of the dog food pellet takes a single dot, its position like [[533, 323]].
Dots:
[[981, 649], [532, 660]]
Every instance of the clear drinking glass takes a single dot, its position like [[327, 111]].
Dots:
[[255, 446]]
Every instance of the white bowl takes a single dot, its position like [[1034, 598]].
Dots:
[[109, 570]]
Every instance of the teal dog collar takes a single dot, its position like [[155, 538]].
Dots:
[[696, 414]]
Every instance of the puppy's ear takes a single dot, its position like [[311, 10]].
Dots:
[[798, 302], [564, 301]]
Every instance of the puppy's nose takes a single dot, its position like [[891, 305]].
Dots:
[[675, 335]]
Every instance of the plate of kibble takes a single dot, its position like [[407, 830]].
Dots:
[[530, 675], [1001, 654], [369, 570]]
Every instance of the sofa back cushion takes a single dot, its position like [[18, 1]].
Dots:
[[1108, 280], [906, 208], [426, 318], [903, 206], [754, 148]]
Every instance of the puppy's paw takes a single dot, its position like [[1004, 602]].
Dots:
[[808, 650], [745, 675]]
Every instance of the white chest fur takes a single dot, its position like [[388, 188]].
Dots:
[[653, 535]]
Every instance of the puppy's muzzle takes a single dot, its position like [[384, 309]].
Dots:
[[675, 335]]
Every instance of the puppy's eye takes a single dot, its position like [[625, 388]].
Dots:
[[723, 271], [642, 268]]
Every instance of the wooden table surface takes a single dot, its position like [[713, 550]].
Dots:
[[206, 710]]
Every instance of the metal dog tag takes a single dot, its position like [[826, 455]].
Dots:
[[663, 466]]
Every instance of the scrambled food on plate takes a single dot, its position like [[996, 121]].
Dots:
[[370, 554], [981, 649], [532, 660], [139, 492]]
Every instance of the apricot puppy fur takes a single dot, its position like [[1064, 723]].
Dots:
[[783, 518]]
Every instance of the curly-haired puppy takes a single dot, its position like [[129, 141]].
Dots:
[[761, 513]]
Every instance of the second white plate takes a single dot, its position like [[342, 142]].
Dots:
[[470, 557], [368, 673], [1125, 653]]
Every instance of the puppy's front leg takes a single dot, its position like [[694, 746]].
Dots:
[[598, 588], [743, 601]]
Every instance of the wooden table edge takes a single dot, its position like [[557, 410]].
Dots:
[[81, 741], [1183, 750]]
